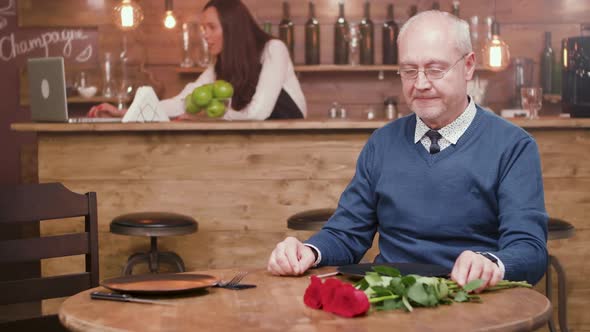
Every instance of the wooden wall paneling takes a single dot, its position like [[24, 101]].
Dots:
[[65, 13]]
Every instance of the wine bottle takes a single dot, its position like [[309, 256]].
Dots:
[[456, 5], [340, 31], [547, 60], [390, 32], [436, 5], [286, 33], [312, 38], [367, 42]]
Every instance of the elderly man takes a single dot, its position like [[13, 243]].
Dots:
[[451, 184]]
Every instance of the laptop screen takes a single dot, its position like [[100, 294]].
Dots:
[[47, 89]]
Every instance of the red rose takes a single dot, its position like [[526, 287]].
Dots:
[[348, 301], [312, 296], [336, 297]]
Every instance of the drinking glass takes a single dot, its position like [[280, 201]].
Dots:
[[108, 81], [532, 100]]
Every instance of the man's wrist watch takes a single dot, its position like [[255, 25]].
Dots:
[[490, 257]]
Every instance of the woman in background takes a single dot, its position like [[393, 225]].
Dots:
[[256, 64]]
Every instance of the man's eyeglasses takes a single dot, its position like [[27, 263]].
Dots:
[[430, 73]]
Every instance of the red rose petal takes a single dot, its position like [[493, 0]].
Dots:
[[348, 302], [312, 297], [328, 291]]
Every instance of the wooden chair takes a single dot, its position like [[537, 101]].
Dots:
[[28, 205]]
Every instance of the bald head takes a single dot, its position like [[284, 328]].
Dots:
[[457, 28]]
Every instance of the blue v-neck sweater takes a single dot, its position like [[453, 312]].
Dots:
[[483, 194]]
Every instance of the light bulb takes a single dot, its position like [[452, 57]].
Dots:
[[127, 15], [169, 20], [496, 54]]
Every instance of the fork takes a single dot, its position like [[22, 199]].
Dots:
[[234, 281]]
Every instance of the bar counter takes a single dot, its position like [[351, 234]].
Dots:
[[216, 125], [242, 180]]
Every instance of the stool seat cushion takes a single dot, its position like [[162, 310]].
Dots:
[[559, 229], [310, 220], [153, 224]]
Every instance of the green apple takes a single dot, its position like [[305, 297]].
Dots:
[[201, 96], [209, 86], [222, 89], [189, 106], [215, 109]]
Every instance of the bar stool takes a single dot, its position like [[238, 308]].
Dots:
[[153, 224], [311, 220], [558, 229]]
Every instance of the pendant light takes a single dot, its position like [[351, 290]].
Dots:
[[127, 15], [496, 54], [169, 19]]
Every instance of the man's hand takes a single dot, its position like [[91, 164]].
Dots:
[[290, 257], [470, 266]]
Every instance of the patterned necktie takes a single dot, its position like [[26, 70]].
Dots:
[[434, 137]]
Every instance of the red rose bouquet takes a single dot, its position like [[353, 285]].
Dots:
[[387, 289]]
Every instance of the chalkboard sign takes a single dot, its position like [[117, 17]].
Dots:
[[75, 45]]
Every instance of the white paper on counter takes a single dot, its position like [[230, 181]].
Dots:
[[145, 107]]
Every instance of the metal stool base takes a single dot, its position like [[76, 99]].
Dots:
[[153, 258]]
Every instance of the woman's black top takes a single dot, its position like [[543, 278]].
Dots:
[[285, 108]]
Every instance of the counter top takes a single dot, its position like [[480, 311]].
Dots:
[[312, 124]]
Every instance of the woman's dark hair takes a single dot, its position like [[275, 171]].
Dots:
[[243, 44]]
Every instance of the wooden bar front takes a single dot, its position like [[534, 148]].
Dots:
[[242, 180]]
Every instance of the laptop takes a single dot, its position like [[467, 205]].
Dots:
[[47, 92]]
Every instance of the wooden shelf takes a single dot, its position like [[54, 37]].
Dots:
[[321, 69], [315, 68], [92, 100], [189, 70], [552, 98], [345, 68]]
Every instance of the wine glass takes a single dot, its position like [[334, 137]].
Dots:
[[352, 37], [532, 99]]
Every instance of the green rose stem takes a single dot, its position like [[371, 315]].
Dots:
[[383, 298], [502, 284]]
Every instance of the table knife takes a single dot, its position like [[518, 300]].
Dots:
[[124, 298]]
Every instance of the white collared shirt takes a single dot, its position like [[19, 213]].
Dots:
[[450, 133]]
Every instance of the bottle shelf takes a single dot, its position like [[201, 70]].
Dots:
[[92, 100], [345, 68], [552, 98], [314, 68], [322, 68]]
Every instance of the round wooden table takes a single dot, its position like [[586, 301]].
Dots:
[[277, 305]]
